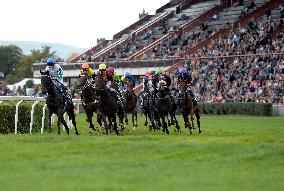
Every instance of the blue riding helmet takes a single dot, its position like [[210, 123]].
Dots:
[[146, 79], [128, 75], [182, 70], [50, 61]]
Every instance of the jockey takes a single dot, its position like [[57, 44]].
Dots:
[[129, 78], [56, 74], [110, 74], [102, 72], [185, 76], [87, 71], [155, 81], [123, 81], [146, 79]]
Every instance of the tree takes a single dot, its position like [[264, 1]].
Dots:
[[24, 69], [71, 56], [10, 57]]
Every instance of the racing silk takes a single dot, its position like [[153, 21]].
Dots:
[[184, 77], [90, 73], [55, 72], [102, 75], [155, 81]]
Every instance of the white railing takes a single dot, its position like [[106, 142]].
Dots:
[[36, 100]]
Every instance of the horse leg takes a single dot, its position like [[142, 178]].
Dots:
[[169, 122], [176, 123], [58, 126], [73, 118], [125, 117], [192, 119], [197, 114], [186, 121], [165, 126], [61, 119], [90, 120], [110, 123], [104, 122], [136, 119], [49, 122], [133, 121], [115, 125], [146, 122]]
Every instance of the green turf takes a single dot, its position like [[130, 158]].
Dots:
[[232, 153]]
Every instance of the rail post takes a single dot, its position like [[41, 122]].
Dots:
[[32, 116], [17, 116], [43, 117]]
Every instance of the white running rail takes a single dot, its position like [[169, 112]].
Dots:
[[36, 100]]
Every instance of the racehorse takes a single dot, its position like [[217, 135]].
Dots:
[[106, 105], [130, 104], [163, 105], [186, 107], [56, 104], [88, 99], [147, 106]]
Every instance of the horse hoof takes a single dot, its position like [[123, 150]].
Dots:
[[200, 132], [134, 128], [77, 133]]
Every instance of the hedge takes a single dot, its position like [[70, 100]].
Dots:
[[258, 109], [7, 119]]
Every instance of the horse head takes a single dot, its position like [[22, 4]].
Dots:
[[100, 84], [162, 85], [46, 82], [82, 82]]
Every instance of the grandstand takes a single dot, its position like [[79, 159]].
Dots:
[[218, 39]]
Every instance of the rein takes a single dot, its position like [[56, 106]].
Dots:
[[87, 84]]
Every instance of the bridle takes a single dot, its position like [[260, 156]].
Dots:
[[86, 85]]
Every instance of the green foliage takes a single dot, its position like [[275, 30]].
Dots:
[[258, 109], [7, 120], [10, 57], [24, 70], [29, 84]]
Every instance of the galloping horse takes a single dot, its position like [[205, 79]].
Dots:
[[89, 99], [163, 105], [147, 106], [129, 105], [56, 104], [106, 106], [186, 106]]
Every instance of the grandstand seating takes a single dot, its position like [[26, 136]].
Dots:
[[191, 31]]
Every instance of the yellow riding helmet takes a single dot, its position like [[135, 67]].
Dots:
[[102, 66], [123, 79]]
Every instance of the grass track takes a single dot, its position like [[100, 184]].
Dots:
[[232, 153]]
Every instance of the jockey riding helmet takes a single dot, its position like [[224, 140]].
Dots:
[[85, 66], [182, 70], [50, 61], [102, 66], [159, 71], [123, 79], [148, 74], [116, 77], [110, 70], [145, 79], [128, 76]]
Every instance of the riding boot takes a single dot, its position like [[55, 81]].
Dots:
[[194, 101]]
